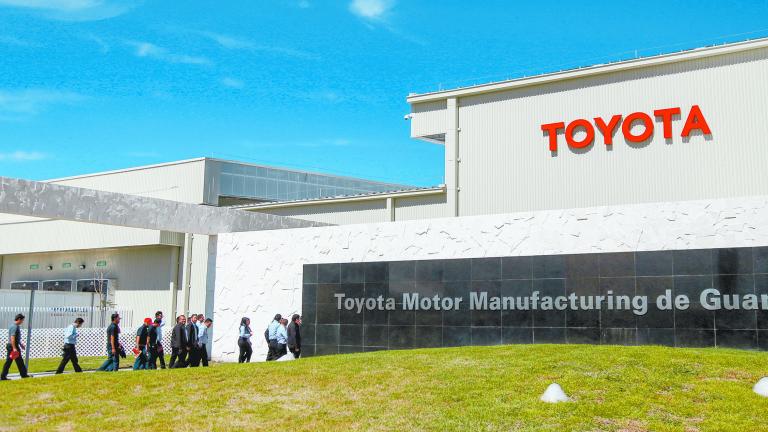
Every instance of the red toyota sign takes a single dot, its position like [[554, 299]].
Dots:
[[694, 121]]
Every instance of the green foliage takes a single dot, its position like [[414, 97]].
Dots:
[[474, 388]]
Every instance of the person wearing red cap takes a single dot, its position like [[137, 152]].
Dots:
[[142, 335]]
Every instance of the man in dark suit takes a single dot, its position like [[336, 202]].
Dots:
[[294, 336], [179, 345], [192, 345]]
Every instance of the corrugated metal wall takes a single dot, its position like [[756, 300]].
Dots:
[[181, 182], [342, 213], [369, 211], [48, 236], [428, 119], [421, 207], [135, 269], [506, 165], [199, 276]]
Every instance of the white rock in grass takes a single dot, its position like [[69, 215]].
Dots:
[[554, 394], [761, 387], [287, 357]]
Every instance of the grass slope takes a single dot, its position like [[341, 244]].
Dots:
[[50, 364], [473, 388]]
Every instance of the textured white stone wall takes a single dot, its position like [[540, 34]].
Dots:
[[259, 273]]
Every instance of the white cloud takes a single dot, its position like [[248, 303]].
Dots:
[[371, 9], [32, 101], [228, 42], [22, 156], [232, 82], [149, 50], [103, 45], [325, 96], [74, 10], [14, 41], [234, 43], [53, 4]]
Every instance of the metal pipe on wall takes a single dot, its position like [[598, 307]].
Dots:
[[186, 276], [452, 156]]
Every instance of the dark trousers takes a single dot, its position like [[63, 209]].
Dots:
[[273, 353], [8, 361], [282, 349], [245, 350], [153, 353], [160, 354], [194, 356], [296, 351], [178, 358], [69, 354], [204, 355]]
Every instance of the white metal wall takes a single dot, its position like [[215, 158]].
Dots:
[[340, 213], [140, 268], [429, 119], [144, 304], [47, 236], [421, 207], [180, 181], [199, 277], [506, 165]]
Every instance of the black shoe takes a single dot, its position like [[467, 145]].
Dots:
[[4, 379], [27, 376]]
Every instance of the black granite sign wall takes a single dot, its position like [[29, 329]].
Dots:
[[684, 298]]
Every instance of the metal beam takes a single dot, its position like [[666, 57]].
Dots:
[[53, 201]]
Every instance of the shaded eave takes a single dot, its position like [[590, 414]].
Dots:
[[686, 55], [346, 198]]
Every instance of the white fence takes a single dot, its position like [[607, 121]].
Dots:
[[21, 298], [49, 323], [48, 342], [61, 317]]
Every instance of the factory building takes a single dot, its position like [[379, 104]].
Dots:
[[640, 178]]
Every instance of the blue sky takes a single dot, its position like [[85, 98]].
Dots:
[[93, 85]]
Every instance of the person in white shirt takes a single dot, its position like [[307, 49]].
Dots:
[[282, 338], [202, 355], [69, 351], [202, 339], [160, 353], [244, 341]]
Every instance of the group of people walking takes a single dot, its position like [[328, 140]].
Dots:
[[280, 335], [189, 343]]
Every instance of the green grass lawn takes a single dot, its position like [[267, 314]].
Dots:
[[50, 364], [474, 388]]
